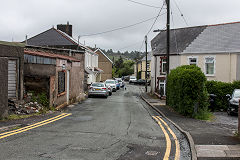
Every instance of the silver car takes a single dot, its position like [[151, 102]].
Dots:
[[112, 84], [98, 89]]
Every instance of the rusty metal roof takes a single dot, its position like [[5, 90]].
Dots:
[[50, 55]]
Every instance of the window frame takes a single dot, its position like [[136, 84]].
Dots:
[[163, 59], [192, 57], [214, 66], [60, 93]]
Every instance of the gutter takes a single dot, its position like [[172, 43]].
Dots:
[[185, 133]]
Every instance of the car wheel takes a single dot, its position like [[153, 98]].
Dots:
[[110, 93]]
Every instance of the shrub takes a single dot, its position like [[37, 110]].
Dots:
[[221, 89], [186, 91]]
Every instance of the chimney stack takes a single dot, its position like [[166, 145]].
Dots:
[[67, 28]]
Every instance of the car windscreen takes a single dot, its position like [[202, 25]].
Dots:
[[98, 85], [110, 82], [236, 94]]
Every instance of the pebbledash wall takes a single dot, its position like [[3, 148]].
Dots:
[[225, 65], [50, 72]]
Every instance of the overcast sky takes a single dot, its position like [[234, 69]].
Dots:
[[30, 17]]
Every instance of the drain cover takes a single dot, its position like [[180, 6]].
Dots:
[[151, 153]]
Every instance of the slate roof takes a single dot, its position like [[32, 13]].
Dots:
[[217, 39], [183, 37], [53, 37], [200, 39]]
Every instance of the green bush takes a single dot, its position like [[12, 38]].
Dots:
[[221, 89], [186, 91]]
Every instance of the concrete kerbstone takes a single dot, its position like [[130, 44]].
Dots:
[[187, 134]]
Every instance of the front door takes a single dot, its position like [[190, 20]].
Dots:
[[162, 87]]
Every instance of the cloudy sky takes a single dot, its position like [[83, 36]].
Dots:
[[30, 17]]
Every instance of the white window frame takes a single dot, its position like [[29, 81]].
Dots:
[[162, 65], [192, 57], [214, 69]]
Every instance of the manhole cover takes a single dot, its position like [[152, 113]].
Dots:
[[151, 153]]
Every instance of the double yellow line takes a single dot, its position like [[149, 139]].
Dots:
[[35, 125], [168, 141]]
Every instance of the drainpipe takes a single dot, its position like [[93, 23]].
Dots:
[[230, 73], [155, 74]]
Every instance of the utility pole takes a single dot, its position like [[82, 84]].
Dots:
[[146, 64], [168, 35]]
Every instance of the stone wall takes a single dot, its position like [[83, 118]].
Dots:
[[4, 87]]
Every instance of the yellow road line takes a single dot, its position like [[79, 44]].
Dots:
[[168, 141], [177, 153], [34, 126]]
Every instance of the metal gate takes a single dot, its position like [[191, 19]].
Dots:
[[12, 78]]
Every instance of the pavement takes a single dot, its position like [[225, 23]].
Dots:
[[212, 140], [121, 127]]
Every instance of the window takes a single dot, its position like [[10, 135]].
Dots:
[[148, 66], [210, 66], [61, 82], [192, 61], [164, 66]]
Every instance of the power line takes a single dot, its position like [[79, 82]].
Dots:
[[180, 12], [143, 4], [120, 28], [155, 19]]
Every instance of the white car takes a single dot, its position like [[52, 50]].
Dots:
[[132, 79], [112, 84]]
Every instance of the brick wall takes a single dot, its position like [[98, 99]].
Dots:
[[4, 87]]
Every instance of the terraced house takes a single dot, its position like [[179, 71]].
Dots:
[[214, 48]]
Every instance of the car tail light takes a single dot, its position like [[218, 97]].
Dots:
[[90, 88], [104, 88]]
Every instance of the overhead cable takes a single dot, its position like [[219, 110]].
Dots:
[[180, 12], [120, 28], [155, 19], [143, 4]]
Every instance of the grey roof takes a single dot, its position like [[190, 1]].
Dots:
[[149, 56], [217, 39], [51, 37], [179, 39]]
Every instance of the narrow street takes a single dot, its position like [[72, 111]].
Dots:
[[120, 127]]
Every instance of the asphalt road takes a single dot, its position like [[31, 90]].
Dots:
[[121, 127]]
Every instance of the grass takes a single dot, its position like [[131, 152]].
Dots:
[[204, 115]]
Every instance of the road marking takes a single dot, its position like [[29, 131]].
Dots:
[[33, 124], [24, 129], [177, 153], [168, 147]]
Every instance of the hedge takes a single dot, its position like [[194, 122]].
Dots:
[[221, 89], [186, 91]]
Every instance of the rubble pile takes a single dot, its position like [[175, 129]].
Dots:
[[23, 107]]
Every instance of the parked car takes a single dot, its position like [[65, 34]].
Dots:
[[233, 102], [140, 82], [98, 89], [132, 79], [112, 84], [117, 84]]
